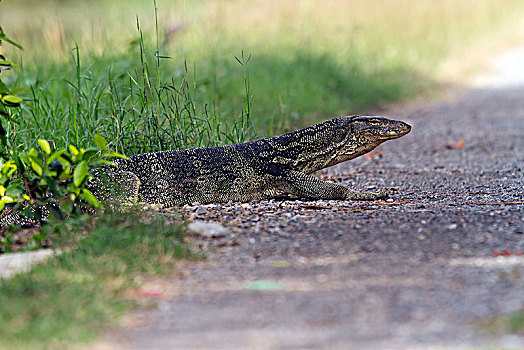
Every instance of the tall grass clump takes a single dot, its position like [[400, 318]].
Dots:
[[140, 110]]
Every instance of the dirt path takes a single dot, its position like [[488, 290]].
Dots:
[[414, 273]]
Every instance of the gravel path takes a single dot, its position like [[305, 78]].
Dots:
[[414, 272]]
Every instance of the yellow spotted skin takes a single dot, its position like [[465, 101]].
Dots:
[[261, 169]]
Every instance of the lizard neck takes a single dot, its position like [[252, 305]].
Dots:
[[318, 146]]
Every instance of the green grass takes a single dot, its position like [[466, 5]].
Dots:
[[311, 60], [504, 323], [73, 295]]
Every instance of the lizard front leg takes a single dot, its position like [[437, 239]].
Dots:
[[303, 185]]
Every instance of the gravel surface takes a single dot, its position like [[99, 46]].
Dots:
[[417, 271]]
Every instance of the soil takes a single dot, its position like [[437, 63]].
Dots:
[[424, 270]]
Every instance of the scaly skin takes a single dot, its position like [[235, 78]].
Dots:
[[261, 169]]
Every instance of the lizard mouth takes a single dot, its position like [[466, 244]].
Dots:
[[405, 130]]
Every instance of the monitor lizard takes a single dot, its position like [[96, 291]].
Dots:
[[261, 169]]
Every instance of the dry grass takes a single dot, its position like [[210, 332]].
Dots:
[[420, 32]]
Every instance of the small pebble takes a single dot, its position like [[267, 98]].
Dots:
[[201, 210], [208, 229], [322, 278]]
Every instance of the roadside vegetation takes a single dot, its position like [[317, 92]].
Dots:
[[92, 71], [108, 78], [74, 294]]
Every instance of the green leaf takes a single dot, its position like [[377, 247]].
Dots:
[[90, 198], [37, 168], [106, 162], [65, 175], [33, 153], [12, 100], [64, 159], [80, 173], [90, 153], [7, 199], [24, 158], [100, 141], [115, 155], [55, 155], [5, 63], [44, 145], [3, 88], [74, 151], [18, 89], [13, 191], [10, 169]]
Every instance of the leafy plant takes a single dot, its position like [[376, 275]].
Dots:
[[42, 180], [46, 181], [8, 97]]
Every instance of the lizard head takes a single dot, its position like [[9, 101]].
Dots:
[[336, 140], [378, 129], [363, 134]]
